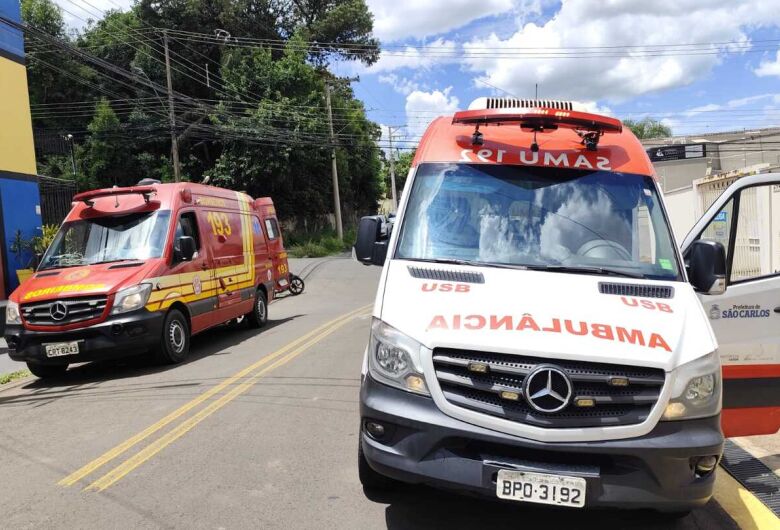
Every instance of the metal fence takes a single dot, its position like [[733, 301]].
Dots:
[[56, 197]]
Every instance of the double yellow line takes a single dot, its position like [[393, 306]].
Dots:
[[253, 373]]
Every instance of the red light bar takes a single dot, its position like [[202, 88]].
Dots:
[[539, 117], [88, 196]]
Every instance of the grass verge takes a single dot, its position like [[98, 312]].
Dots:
[[317, 245], [13, 376]]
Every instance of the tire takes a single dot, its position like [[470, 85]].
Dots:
[[296, 285], [47, 371], [370, 479], [258, 316], [175, 340]]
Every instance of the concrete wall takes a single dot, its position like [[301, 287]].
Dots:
[[681, 211]]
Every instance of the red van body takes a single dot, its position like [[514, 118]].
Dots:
[[143, 268]]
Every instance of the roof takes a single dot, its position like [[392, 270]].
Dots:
[[134, 199], [444, 141]]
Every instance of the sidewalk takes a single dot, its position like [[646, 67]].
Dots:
[[6, 364]]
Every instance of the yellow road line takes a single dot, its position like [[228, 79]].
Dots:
[[134, 440], [745, 508], [164, 441]]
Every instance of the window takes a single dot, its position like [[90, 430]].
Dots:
[[107, 239], [272, 227], [188, 226], [752, 249], [538, 218]]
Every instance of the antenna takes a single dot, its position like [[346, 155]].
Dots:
[[536, 91]]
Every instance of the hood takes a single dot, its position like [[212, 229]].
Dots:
[[546, 314], [100, 279]]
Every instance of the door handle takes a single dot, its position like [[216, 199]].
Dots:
[[777, 309], [204, 266]]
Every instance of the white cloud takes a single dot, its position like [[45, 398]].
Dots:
[[423, 107], [413, 58], [767, 68], [399, 19], [402, 85], [596, 23]]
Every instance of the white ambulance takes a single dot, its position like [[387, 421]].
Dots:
[[537, 334]]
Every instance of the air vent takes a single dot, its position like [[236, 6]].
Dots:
[[45, 274], [446, 275], [641, 291]]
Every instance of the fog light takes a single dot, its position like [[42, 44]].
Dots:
[[375, 430], [705, 465], [480, 368]]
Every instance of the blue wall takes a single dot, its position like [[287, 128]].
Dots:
[[11, 40], [21, 211]]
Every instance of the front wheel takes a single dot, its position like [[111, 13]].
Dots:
[[175, 341], [47, 371], [258, 317]]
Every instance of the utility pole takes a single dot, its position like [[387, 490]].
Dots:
[[392, 169], [334, 169], [174, 141]]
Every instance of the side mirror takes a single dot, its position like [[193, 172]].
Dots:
[[371, 243], [185, 248], [707, 266]]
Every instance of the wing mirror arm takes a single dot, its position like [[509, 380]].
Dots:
[[184, 248], [707, 266]]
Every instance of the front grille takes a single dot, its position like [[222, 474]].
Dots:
[[78, 310], [480, 392]]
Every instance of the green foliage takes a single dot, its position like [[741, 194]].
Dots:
[[403, 162], [39, 244], [13, 376], [318, 244], [648, 128], [262, 127]]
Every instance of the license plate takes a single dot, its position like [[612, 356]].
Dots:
[[541, 488], [59, 349]]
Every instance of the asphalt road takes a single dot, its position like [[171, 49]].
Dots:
[[251, 432]]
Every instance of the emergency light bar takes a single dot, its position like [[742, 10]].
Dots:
[[539, 119], [88, 197]]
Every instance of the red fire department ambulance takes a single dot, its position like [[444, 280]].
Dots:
[[143, 268], [539, 337]]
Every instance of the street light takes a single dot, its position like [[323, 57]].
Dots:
[[69, 138]]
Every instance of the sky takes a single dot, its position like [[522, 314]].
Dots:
[[700, 66]]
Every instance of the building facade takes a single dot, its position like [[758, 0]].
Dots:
[[20, 211]]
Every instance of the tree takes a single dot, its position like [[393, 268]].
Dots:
[[648, 128], [402, 162]]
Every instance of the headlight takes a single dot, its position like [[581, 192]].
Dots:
[[12, 315], [394, 359], [696, 389], [132, 298]]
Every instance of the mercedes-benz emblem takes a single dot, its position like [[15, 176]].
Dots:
[[58, 311], [548, 389]]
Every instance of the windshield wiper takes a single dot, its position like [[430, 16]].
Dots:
[[586, 270], [471, 263], [117, 260]]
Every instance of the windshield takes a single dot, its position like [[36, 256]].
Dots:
[[547, 218], [112, 238]]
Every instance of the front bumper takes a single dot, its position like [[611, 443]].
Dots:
[[118, 336], [423, 445]]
